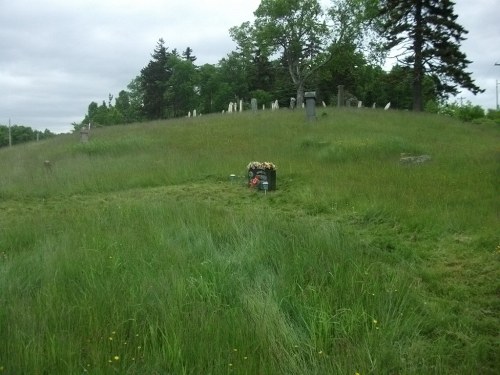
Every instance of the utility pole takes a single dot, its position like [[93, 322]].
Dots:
[[10, 136], [496, 86]]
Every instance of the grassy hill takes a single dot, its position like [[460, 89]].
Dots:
[[136, 254]]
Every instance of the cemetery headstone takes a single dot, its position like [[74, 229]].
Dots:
[[84, 135], [310, 97], [260, 172], [352, 102], [253, 104]]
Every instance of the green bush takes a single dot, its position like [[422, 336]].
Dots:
[[467, 112], [493, 115]]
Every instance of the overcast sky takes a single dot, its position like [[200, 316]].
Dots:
[[57, 56]]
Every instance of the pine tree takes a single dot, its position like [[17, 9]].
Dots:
[[153, 80], [428, 37], [188, 55]]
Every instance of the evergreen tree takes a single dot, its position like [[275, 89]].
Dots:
[[429, 38], [154, 78], [188, 55], [261, 74]]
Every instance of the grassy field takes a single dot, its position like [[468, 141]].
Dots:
[[136, 254]]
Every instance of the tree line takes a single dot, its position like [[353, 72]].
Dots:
[[294, 46], [20, 134]]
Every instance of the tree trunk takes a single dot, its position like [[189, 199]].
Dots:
[[418, 68], [300, 94]]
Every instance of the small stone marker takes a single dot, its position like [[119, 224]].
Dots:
[[374, 105], [84, 135], [253, 104], [387, 106], [360, 104], [409, 159], [241, 105], [230, 107], [194, 112], [189, 114], [292, 103]]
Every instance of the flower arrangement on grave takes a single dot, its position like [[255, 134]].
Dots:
[[262, 171], [265, 165]]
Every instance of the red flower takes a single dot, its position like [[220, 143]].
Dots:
[[255, 181]]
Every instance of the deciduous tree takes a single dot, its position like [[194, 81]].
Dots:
[[296, 30]]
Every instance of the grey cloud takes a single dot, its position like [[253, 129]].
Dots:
[[57, 56]]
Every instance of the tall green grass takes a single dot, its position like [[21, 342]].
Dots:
[[136, 254]]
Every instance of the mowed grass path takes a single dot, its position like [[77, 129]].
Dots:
[[136, 254]]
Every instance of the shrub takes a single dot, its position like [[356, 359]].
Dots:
[[494, 115], [467, 112]]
